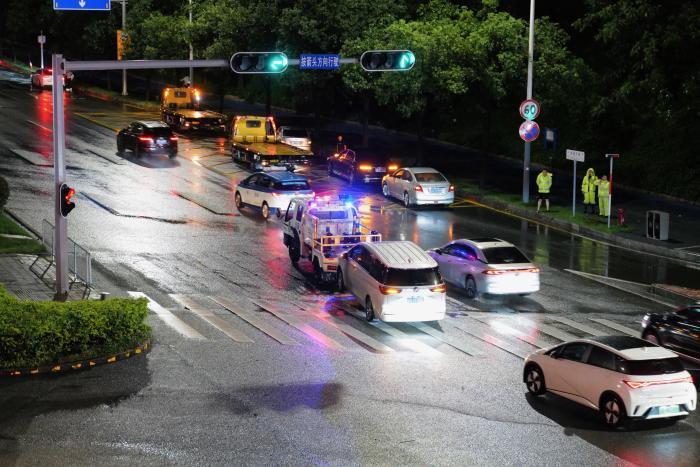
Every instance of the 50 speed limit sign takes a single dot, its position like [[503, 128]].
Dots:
[[529, 109]]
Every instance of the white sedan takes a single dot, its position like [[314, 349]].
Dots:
[[487, 265], [271, 191], [418, 186], [622, 377]]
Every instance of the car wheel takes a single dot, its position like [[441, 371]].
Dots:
[[470, 287], [651, 336], [613, 411], [120, 146], [534, 380], [385, 190], [265, 209], [294, 253], [351, 178], [318, 272], [172, 155], [340, 281], [369, 310], [137, 152], [238, 200], [406, 200]]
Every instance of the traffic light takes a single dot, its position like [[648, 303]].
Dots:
[[259, 62], [387, 60], [66, 204]]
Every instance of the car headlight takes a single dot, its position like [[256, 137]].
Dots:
[[645, 321]]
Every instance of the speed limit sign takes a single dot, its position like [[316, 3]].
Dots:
[[529, 109]]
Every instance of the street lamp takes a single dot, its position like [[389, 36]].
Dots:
[[530, 54], [123, 2], [191, 51]]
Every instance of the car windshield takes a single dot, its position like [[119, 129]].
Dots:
[[429, 177], [332, 215], [291, 185], [504, 255], [661, 366], [294, 133], [412, 277]]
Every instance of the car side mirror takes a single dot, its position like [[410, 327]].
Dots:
[[344, 256], [438, 251]]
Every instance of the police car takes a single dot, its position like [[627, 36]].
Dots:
[[271, 191]]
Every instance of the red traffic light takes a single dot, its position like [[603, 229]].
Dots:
[[66, 205]]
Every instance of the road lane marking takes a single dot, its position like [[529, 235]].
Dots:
[[212, 319], [193, 199], [617, 327], [579, 326], [96, 122], [449, 340], [353, 333], [40, 125], [295, 322], [506, 330], [461, 304], [32, 157], [168, 318], [254, 321], [554, 332], [495, 341]]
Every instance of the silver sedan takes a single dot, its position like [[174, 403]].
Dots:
[[487, 265], [418, 186]]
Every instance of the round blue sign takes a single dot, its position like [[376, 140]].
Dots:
[[529, 131]]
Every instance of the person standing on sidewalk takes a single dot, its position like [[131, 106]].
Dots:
[[603, 193], [544, 184], [588, 188]]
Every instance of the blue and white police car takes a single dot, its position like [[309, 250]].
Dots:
[[271, 191]]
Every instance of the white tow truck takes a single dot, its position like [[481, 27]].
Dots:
[[322, 229]]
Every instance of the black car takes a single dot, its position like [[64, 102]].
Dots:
[[359, 167], [148, 137], [678, 330]]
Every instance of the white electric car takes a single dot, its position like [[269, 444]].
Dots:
[[395, 281], [271, 191], [418, 186], [623, 377]]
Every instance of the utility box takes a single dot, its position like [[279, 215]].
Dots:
[[657, 225]]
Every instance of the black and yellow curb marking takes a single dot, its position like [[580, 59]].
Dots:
[[83, 364], [96, 122]]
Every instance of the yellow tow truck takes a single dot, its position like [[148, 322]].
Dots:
[[255, 143], [179, 108]]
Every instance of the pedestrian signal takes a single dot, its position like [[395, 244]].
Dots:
[[259, 62], [387, 60], [66, 204]]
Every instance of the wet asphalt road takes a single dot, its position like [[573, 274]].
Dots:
[[338, 390]]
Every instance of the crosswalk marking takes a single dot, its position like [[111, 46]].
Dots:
[[579, 326], [404, 338], [504, 329], [354, 333], [554, 332], [617, 327], [254, 321], [168, 318], [489, 339], [459, 304], [449, 340], [295, 322], [212, 319]]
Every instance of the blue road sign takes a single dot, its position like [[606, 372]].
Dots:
[[319, 62], [87, 5]]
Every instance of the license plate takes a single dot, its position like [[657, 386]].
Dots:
[[669, 410], [380, 169], [435, 190], [161, 142], [414, 299], [274, 161]]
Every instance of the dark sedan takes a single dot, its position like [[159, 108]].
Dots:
[[678, 330], [363, 168], [148, 137]]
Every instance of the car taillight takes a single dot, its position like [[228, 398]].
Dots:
[[146, 139], [451, 188], [532, 270], [442, 288], [418, 188], [173, 138], [392, 167], [493, 272], [276, 195], [386, 290], [644, 384], [365, 167]]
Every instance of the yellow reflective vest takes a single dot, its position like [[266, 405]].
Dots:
[[544, 182]]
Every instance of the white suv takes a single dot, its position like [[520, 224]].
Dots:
[[297, 137], [395, 281], [622, 377]]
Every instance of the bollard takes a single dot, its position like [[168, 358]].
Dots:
[[620, 217]]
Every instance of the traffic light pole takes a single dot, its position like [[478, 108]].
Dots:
[[60, 239], [530, 55]]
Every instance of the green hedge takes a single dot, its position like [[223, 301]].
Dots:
[[34, 333]]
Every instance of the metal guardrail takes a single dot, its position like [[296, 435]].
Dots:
[[79, 259]]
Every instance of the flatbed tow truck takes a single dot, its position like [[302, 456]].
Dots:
[[179, 108], [321, 230], [255, 143]]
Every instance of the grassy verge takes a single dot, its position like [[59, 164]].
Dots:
[[17, 245], [561, 213], [34, 333]]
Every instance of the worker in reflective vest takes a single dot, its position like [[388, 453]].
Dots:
[[588, 188], [603, 193], [544, 183]]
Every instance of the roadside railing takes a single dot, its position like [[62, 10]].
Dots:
[[79, 259]]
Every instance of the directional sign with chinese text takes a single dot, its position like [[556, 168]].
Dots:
[[87, 5], [578, 156], [319, 62]]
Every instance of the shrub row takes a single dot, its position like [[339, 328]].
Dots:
[[36, 333]]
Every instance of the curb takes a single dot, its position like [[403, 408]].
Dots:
[[83, 364], [586, 232], [663, 290], [89, 91]]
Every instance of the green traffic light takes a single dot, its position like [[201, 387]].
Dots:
[[277, 63], [407, 60]]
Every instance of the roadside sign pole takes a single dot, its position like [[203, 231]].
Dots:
[[574, 156], [610, 189], [530, 58], [573, 203], [42, 40], [59, 176], [124, 92]]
